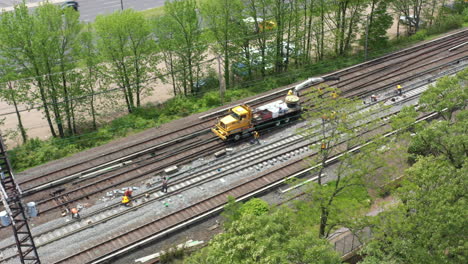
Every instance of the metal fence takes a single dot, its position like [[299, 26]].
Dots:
[[352, 242]]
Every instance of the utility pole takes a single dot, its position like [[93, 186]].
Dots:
[[121, 4], [367, 37], [10, 194]]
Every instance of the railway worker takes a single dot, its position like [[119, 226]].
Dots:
[[323, 147], [334, 95], [128, 192], [164, 185], [399, 90], [125, 200], [320, 91], [75, 214], [373, 98], [256, 137]]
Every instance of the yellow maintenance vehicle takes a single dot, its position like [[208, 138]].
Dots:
[[243, 119]]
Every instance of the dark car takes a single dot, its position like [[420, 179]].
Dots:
[[72, 4]]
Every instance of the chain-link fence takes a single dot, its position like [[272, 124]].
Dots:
[[351, 241]]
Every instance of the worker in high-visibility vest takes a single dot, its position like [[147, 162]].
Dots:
[[125, 200], [256, 137], [334, 95], [75, 214], [399, 90], [323, 147]]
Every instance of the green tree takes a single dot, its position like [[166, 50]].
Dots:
[[342, 126], [20, 46], [124, 38], [429, 226], [55, 33], [188, 41], [92, 72], [266, 238], [162, 28], [448, 95], [42, 43], [412, 10], [13, 92], [258, 10], [379, 23], [444, 139], [345, 19], [223, 19]]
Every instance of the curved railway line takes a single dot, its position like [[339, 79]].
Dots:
[[94, 175]]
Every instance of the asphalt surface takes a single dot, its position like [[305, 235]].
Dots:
[[89, 9]]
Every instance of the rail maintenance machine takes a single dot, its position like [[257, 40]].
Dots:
[[243, 120]]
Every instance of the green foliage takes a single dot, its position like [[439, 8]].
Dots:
[[211, 99], [186, 42], [419, 36], [233, 211], [405, 118], [266, 238], [172, 254], [254, 206], [429, 226], [124, 39], [447, 95], [378, 27], [35, 152], [134, 26], [446, 23], [444, 139]]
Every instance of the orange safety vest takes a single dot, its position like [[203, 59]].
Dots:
[[74, 211]]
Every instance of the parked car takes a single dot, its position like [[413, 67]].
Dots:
[[410, 21], [72, 4]]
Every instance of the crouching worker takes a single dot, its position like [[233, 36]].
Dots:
[[75, 214], [125, 200]]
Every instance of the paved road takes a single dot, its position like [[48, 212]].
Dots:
[[89, 9]]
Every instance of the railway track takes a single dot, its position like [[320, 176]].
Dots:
[[251, 159], [83, 185], [116, 157], [158, 228], [180, 138]]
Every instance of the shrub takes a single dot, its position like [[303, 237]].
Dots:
[[419, 36], [211, 99], [255, 206], [172, 254], [35, 152], [446, 23]]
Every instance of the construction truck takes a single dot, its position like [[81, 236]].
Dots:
[[243, 120]]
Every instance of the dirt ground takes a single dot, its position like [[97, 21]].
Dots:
[[37, 126]]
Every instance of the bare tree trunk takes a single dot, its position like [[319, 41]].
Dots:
[[67, 102], [40, 84], [18, 115]]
